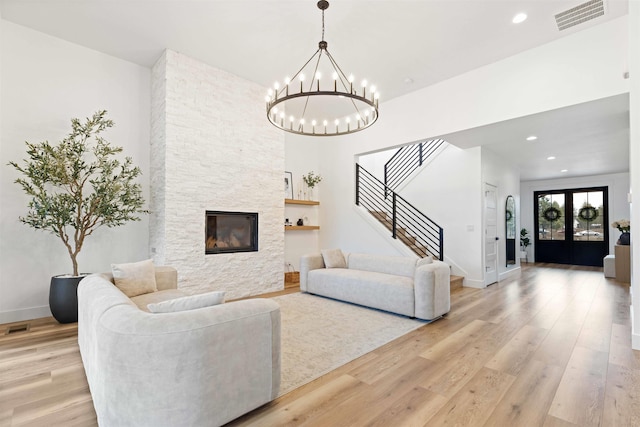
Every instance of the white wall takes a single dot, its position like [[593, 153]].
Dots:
[[449, 192], [577, 68], [45, 82], [634, 161], [618, 187], [214, 150]]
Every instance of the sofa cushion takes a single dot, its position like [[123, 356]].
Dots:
[[135, 278], [387, 292], [190, 302], [155, 297], [333, 258], [395, 265]]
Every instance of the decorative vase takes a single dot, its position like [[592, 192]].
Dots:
[[63, 298], [625, 239], [311, 195]]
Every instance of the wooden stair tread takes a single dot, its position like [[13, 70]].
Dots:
[[401, 233], [456, 282]]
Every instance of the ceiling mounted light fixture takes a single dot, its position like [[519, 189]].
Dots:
[[519, 18], [331, 103]]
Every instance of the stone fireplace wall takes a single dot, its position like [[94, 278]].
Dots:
[[212, 148]]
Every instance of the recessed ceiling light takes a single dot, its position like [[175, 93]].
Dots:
[[551, 158], [564, 170], [532, 138], [520, 17]]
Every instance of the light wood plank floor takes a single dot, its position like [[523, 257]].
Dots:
[[549, 348]]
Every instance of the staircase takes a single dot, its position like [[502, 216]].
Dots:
[[406, 223], [401, 234]]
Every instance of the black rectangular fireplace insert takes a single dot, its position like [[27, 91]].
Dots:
[[228, 232]]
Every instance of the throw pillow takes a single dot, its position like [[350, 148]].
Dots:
[[190, 302], [333, 258], [135, 278], [423, 261]]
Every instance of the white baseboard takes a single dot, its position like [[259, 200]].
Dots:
[[513, 272], [635, 337], [469, 283], [24, 314]]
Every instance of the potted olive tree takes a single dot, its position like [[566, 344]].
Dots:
[[75, 187]]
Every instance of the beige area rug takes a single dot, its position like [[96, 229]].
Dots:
[[320, 334]]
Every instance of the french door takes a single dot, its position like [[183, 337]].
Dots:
[[572, 226]]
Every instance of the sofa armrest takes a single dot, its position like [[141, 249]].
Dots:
[[308, 263], [432, 290]]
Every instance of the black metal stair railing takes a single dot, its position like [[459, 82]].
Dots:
[[405, 221], [406, 160]]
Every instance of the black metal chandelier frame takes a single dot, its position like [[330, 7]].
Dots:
[[364, 105]]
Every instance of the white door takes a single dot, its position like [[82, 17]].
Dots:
[[490, 235]]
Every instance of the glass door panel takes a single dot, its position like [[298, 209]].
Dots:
[[588, 214], [551, 217]]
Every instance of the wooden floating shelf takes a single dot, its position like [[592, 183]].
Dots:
[[300, 202], [302, 227]]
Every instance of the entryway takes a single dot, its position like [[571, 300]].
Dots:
[[572, 226]]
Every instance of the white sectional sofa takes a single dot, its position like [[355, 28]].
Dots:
[[200, 367], [403, 285]]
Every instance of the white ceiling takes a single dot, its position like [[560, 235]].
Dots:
[[387, 42]]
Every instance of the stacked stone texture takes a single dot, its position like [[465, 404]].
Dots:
[[212, 148]]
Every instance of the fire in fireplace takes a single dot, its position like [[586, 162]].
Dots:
[[228, 232]]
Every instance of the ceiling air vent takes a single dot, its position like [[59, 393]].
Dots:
[[579, 14]]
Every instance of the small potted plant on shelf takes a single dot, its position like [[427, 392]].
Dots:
[[311, 180], [624, 227], [75, 187]]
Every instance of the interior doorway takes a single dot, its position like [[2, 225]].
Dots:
[[490, 235], [572, 226]]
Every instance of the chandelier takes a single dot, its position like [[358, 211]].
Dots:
[[329, 104]]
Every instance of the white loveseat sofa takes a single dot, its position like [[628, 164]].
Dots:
[[201, 367], [403, 285]]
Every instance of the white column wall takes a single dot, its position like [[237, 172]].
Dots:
[[634, 160], [213, 149], [44, 83]]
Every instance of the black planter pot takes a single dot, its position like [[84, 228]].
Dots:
[[625, 239], [63, 298]]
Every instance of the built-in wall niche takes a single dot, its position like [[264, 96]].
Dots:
[[228, 232]]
